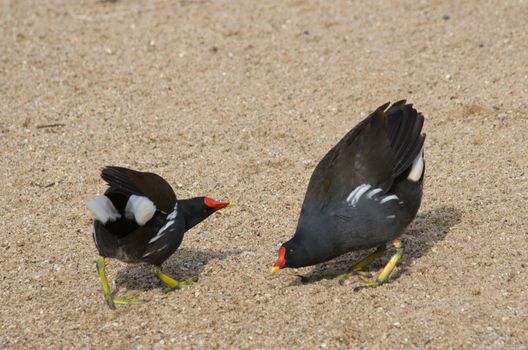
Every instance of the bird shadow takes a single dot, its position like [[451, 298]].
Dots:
[[427, 229], [185, 263]]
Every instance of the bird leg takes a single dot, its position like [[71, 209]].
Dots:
[[383, 276], [170, 282], [358, 267], [111, 300]]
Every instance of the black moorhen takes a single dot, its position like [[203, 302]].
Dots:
[[139, 219], [363, 193]]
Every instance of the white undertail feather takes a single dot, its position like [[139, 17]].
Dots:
[[102, 208], [141, 208], [417, 167]]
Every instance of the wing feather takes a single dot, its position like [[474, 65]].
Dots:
[[129, 182], [375, 152]]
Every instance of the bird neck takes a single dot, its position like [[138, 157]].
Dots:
[[313, 241]]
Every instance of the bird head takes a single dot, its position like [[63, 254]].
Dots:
[[290, 255], [198, 209]]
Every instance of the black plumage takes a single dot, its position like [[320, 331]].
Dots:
[[364, 192], [140, 219]]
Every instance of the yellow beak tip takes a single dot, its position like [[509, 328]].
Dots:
[[231, 204], [275, 268]]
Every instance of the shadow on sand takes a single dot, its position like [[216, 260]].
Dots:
[[183, 264], [426, 229]]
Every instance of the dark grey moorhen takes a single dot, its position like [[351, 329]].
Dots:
[[363, 193], [139, 219]]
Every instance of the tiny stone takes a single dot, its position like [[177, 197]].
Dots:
[[445, 17]]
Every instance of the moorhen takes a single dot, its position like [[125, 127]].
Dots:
[[363, 193], [140, 220]]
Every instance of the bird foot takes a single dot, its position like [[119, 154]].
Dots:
[[128, 299], [170, 283], [186, 283], [372, 283], [110, 297], [383, 276]]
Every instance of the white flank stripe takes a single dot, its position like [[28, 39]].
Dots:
[[174, 213], [102, 208], [355, 195], [141, 208], [389, 198], [160, 232], [147, 254], [417, 167], [94, 235], [373, 192], [154, 251], [391, 217]]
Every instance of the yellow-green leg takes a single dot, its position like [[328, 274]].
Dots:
[[358, 267], [170, 282], [111, 300], [384, 274]]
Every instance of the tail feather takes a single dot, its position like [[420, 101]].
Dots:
[[404, 132], [120, 178], [130, 182]]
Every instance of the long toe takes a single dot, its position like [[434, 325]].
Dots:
[[189, 281], [134, 294], [186, 283], [129, 299], [371, 283]]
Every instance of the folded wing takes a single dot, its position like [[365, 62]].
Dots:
[[375, 152]]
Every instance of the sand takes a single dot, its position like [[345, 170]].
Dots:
[[239, 100]]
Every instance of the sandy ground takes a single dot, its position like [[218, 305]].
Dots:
[[239, 100]]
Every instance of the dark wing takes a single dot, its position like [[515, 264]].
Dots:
[[375, 152], [129, 182]]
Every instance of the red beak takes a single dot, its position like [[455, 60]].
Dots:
[[211, 203], [281, 261]]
